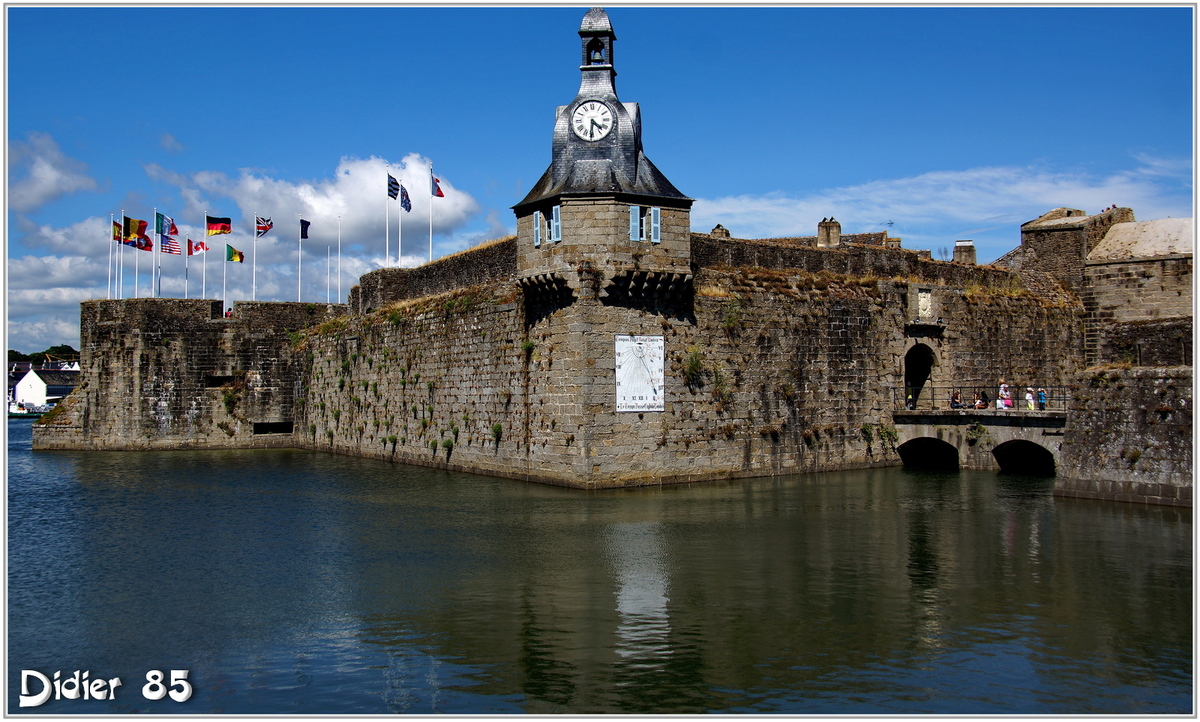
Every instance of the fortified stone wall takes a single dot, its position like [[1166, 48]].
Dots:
[[1125, 298], [767, 372], [482, 264], [1061, 239], [847, 259], [174, 373], [1129, 436]]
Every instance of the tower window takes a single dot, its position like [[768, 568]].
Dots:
[[645, 224], [548, 227], [595, 52]]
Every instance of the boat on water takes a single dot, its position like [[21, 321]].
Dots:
[[18, 410]]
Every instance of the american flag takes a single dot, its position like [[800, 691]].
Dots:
[[262, 225], [170, 245]]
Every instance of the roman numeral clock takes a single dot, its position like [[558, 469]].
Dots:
[[639, 373]]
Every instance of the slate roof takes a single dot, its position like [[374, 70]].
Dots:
[[590, 177], [57, 378]]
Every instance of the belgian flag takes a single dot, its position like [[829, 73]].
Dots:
[[217, 226], [233, 254]]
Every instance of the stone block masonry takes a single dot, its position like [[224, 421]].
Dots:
[[1129, 436], [173, 373]]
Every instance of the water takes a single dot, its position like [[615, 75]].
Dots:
[[299, 582]]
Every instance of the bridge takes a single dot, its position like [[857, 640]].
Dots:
[[1021, 442]]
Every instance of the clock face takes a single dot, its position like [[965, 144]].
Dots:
[[592, 120], [639, 372]]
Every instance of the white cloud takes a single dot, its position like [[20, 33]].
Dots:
[[169, 143], [39, 172], [937, 208]]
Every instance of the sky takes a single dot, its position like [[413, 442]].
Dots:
[[935, 124]]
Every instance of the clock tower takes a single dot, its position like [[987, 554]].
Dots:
[[602, 222]]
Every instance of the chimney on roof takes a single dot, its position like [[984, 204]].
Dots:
[[829, 233], [964, 252], [719, 232]]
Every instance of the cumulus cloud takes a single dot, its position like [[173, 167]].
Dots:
[[40, 172], [45, 290], [935, 209]]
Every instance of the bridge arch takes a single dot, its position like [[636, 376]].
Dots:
[[925, 452], [1020, 456], [918, 367]]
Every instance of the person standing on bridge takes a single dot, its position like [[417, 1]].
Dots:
[[1041, 399], [1029, 398]]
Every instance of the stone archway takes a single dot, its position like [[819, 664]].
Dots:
[[926, 452], [1024, 457], [918, 366]]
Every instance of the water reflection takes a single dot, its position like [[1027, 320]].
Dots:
[[295, 582]]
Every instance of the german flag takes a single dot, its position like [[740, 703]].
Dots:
[[233, 254], [217, 226]]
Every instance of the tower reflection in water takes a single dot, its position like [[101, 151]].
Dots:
[[643, 633]]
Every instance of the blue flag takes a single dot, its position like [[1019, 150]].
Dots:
[[405, 203], [393, 186]]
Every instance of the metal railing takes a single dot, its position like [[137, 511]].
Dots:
[[983, 398]]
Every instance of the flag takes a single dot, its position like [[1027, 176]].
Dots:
[[218, 225], [164, 225], [170, 245], [116, 232], [304, 228], [393, 186], [405, 203], [262, 225], [195, 248], [233, 254], [143, 243], [435, 190], [134, 229]]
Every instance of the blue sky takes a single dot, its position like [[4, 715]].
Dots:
[[936, 124]]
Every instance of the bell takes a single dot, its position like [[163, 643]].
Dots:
[[597, 57]]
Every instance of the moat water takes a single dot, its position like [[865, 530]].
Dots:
[[297, 582]]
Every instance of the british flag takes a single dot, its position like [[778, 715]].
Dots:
[[261, 226]]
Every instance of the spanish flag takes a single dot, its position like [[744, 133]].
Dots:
[[217, 226], [233, 254]]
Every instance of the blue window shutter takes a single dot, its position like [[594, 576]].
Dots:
[[537, 228], [656, 225], [635, 223], [556, 224]]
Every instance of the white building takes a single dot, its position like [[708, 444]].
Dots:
[[44, 386]]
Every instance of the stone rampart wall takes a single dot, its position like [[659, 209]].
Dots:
[[1129, 436], [482, 264], [849, 259], [773, 372], [1123, 298], [174, 373]]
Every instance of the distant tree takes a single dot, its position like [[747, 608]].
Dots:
[[61, 350], [14, 355], [944, 253]]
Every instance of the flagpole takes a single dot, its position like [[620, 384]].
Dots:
[[224, 265], [204, 263], [254, 260], [431, 212], [387, 219], [137, 271], [299, 255], [339, 258], [400, 225], [327, 274], [111, 221], [156, 286], [186, 255], [121, 260]]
